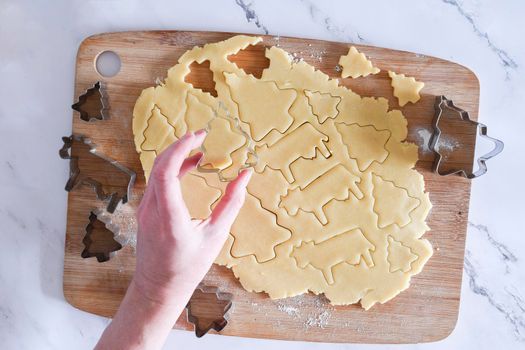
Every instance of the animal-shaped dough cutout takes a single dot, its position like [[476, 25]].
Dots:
[[256, 239], [334, 189], [350, 247], [355, 65], [393, 204], [406, 89], [324, 106], [399, 257], [336, 184], [365, 144], [305, 141]]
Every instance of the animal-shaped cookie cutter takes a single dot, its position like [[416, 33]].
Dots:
[[252, 158], [208, 308], [443, 107], [76, 177], [102, 103]]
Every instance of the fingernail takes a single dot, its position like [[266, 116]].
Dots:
[[201, 132], [247, 174]]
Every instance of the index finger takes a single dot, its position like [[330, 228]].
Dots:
[[170, 161]]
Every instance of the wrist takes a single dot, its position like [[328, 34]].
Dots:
[[172, 292], [141, 322]]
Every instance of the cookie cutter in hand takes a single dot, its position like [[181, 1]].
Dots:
[[99, 88], [76, 177], [208, 308], [443, 105], [252, 157]]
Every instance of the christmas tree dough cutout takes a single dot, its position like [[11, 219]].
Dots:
[[399, 257], [324, 106], [406, 89], [355, 65]]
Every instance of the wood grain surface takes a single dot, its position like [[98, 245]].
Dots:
[[427, 311]]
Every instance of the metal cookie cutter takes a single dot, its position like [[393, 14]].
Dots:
[[121, 182], [444, 107], [102, 237], [90, 109], [208, 308], [252, 157]]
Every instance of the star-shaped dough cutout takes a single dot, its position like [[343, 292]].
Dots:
[[355, 65]]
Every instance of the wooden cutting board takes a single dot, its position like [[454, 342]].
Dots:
[[427, 311]]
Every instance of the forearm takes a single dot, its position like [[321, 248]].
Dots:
[[141, 322]]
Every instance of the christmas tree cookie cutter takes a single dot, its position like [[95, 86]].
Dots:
[[251, 158], [102, 237], [85, 102], [443, 108], [208, 308]]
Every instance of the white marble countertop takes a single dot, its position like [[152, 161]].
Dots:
[[38, 44]]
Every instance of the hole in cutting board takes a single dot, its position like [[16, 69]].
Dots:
[[201, 77], [251, 60], [99, 241], [107, 64]]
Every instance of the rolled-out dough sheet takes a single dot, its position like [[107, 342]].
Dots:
[[335, 205]]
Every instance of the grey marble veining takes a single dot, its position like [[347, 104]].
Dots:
[[38, 43], [251, 16], [506, 60], [318, 15]]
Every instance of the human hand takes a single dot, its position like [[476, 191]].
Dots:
[[174, 252]]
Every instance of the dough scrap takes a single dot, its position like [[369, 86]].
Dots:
[[335, 205], [355, 64], [406, 89]]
